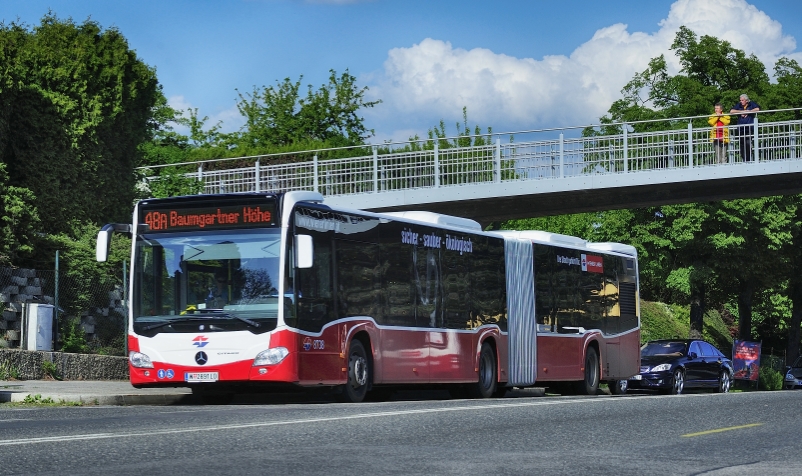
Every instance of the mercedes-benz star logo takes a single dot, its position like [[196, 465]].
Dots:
[[201, 358]]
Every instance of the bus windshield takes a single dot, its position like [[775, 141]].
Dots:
[[215, 277]]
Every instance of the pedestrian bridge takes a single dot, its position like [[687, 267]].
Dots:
[[530, 173]]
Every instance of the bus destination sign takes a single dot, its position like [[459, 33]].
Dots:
[[214, 217]]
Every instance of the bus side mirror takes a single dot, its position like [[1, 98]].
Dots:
[[103, 244], [104, 239], [304, 251]]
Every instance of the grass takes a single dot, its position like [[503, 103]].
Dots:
[[671, 321], [38, 401]]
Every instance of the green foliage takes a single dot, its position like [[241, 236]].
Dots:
[[76, 104], [277, 116], [769, 379], [37, 400], [174, 184], [659, 322], [19, 219], [49, 368], [672, 321], [582, 225], [8, 371], [712, 71], [73, 339]]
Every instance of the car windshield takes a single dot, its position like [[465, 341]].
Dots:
[[663, 348], [230, 275]]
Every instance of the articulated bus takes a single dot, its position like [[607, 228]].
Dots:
[[244, 292]]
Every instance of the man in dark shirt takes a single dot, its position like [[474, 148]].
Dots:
[[745, 124]]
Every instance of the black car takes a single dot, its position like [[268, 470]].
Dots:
[[793, 375], [672, 365]]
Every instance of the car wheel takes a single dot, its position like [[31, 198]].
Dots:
[[618, 387], [679, 382], [724, 382]]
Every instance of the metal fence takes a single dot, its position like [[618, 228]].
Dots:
[[543, 155], [91, 315]]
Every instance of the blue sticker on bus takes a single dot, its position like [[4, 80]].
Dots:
[[161, 373]]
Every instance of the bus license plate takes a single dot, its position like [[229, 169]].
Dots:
[[201, 376]]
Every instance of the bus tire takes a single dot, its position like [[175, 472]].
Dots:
[[356, 387], [590, 384], [618, 387], [486, 386]]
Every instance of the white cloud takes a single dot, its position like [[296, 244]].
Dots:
[[433, 79]]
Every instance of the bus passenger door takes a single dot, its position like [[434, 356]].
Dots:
[[319, 353], [404, 345]]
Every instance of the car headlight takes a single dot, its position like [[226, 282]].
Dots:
[[789, 376], [271, 356], [140, 360], [661, 368]]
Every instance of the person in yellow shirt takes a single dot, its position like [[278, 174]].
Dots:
[[719, 133]]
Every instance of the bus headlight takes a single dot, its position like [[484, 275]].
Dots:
[[140, 360], [271, 356]]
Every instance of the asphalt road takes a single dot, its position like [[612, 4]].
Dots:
[[736, 433]]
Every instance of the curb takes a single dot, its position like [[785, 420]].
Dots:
[[95, 399]]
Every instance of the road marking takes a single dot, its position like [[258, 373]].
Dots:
[[99, 436], [719, 430], [487, 406]]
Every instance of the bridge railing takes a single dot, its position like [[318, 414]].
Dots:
[[551, 154]]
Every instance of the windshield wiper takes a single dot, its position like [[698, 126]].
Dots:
[[211, 313], [202, 316], [173, 321]]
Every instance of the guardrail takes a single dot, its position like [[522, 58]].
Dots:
[[559, 153]]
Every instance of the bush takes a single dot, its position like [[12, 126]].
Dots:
[[770, 379], [73, 337]]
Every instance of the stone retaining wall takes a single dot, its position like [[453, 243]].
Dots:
[[29, 365]]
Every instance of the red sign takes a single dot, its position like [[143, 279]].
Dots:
[[592, 263]]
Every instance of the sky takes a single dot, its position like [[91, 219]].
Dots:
[[515, 64]]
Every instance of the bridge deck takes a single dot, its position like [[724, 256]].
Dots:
[[557, 175]]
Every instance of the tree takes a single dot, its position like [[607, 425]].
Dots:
[[76, 104], [279, 116], [18, 221], [712, 71]]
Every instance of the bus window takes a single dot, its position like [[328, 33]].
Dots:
[[358, 279]]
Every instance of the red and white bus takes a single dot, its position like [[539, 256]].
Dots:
[[278, 289]]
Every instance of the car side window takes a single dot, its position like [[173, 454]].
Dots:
[[695, 348], [708, 350]]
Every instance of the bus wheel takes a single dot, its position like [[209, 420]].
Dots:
[[590, 385], [356, 388], [618, 387], [486, 386]]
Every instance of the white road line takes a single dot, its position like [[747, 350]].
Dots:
[[488, 406]]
